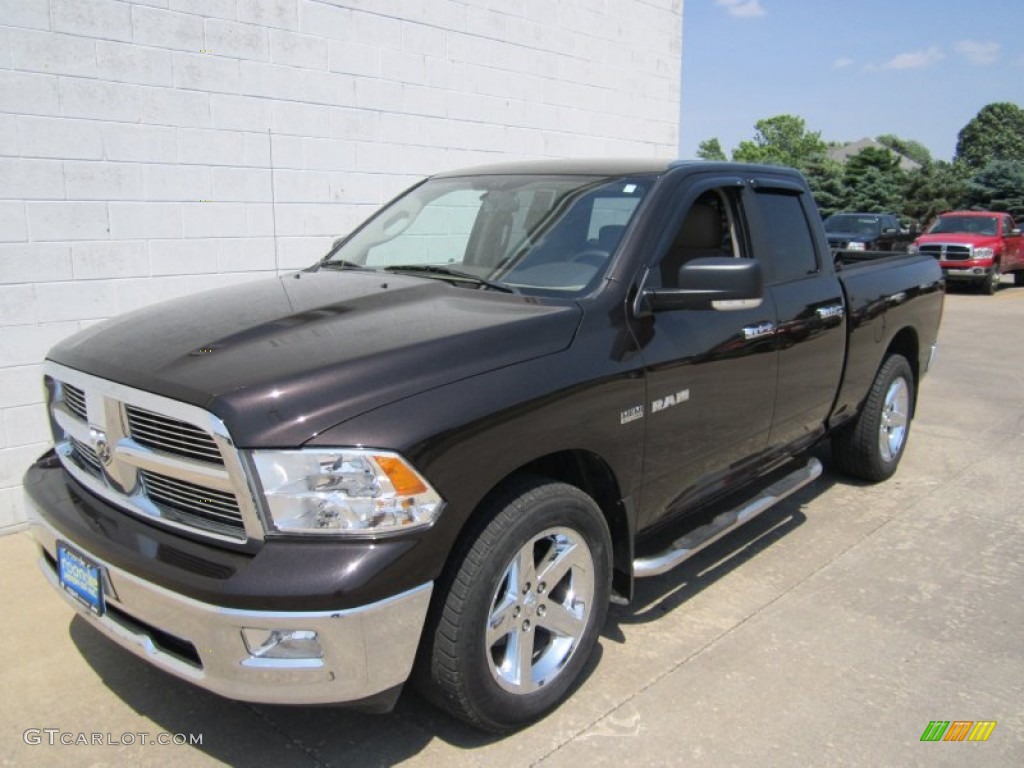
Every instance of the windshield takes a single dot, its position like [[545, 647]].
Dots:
[[860, 225], [975, 225], [520, 232]]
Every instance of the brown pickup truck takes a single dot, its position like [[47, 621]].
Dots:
[[439, 453]]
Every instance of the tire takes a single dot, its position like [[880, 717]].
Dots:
[[991, 283], [474, 662], [1018, 278], [870, 448]]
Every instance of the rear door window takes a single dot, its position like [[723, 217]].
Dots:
[[786, 234]]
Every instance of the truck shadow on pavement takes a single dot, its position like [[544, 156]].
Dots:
[[657, 596], [238, 733]]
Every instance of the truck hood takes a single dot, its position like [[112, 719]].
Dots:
[[281, 360], [959, 238]]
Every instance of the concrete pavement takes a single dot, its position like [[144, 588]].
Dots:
[[829, 632]]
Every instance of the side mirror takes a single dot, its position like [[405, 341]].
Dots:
[[710, 283], [1015, 232]]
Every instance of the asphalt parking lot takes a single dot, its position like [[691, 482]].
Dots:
[[830, 631]]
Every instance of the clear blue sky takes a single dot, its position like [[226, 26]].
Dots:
[[920, 69]]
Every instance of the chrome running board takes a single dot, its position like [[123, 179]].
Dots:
[[687, 546]]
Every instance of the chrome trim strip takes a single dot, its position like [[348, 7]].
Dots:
[[200, 472], [366, 650], [105, 405], [689, 545], [733, 305]]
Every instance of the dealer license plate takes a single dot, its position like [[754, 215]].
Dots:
[[81, 578]]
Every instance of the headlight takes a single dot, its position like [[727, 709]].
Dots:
[[983, 253], [343, 491], [855, 247]]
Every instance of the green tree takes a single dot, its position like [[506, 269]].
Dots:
[[995, 133], [934, 189], [999, 186], [825, 177], [874, 181], [915, 150], [711, 149], [781, 140]]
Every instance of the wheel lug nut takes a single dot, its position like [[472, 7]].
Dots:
[[541, 587], [526, 626], [541, 610], [516, 612]]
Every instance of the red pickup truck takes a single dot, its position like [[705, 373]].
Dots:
[[977, 247]]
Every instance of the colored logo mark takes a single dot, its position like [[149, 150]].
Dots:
[[958, 730]]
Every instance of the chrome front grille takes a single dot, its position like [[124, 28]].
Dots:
[[202, 506], [74, 398], [86, 457], [946, 252], [171, 435], [158, 458]]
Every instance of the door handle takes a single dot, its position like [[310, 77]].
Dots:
[[832, 312], [758, 331]]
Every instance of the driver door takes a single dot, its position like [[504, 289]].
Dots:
[[711, 373]]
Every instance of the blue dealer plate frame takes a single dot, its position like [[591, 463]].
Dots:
[[81, 578]]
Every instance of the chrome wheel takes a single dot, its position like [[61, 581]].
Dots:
[[871, 445], [524, 608], [540, 610], [895, 417]]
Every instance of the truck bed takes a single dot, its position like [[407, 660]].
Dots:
[[868, 278], [845, 260]]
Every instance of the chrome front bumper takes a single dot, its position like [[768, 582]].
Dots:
[[967, 273], [365, 651]]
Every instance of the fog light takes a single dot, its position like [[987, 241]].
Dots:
[[282, 643]]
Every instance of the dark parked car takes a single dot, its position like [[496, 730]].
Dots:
[[866, 232]]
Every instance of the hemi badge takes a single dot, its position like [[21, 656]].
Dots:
[[631, 414]]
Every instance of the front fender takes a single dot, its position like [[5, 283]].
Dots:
[[468, 436]]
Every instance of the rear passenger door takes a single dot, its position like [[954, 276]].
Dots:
[[810, 332]]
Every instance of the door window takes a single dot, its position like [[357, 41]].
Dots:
[[711, 227], [786, 235]]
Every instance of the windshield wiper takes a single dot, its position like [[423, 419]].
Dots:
[[342, 264], [441, 272]]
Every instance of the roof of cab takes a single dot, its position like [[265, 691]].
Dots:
[[583, 167], [608, 167]]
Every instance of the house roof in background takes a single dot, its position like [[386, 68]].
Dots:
[[845, 152]]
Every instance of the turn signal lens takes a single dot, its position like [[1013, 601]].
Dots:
[[405, 481]]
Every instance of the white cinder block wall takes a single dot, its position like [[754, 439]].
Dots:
[[155, 148]]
